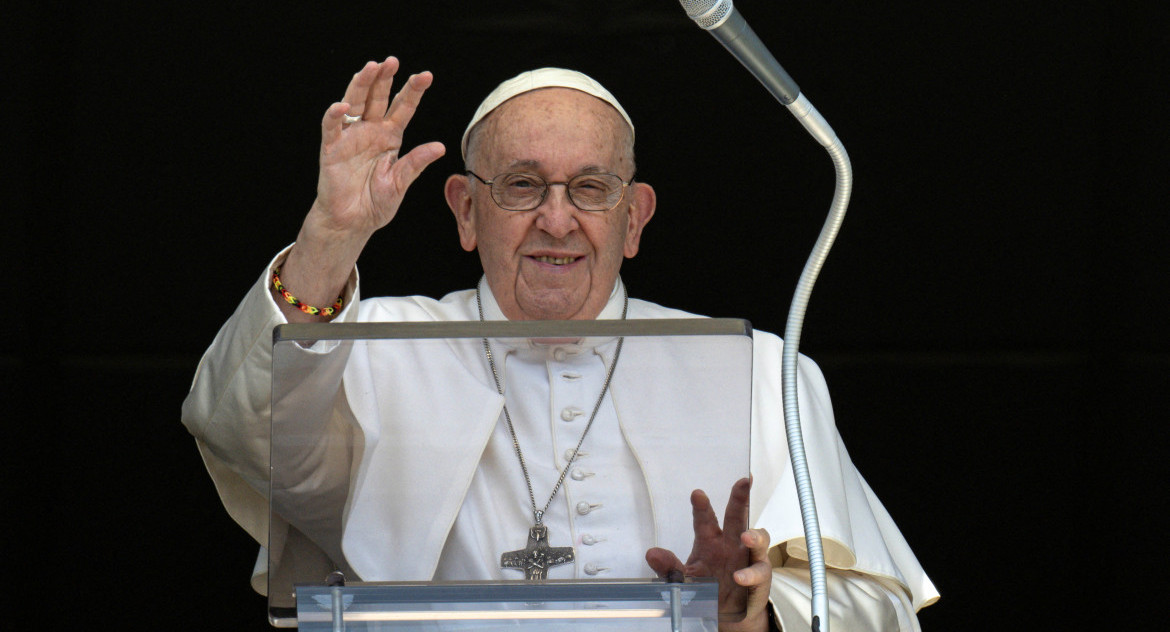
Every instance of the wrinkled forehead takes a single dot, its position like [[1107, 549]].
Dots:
[[538, 79]]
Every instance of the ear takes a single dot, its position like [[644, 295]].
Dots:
[[458, 194], [640, 211]]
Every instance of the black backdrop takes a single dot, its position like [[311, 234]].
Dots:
[[990, 321]]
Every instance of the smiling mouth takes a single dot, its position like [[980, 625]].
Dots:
[[558, 261]]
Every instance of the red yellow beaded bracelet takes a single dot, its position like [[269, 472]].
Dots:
[[308, 309]]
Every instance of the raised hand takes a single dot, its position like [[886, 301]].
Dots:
[[364, 175], [734, 555], [362, 180]]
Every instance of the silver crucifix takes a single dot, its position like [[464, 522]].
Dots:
[[538, 556]]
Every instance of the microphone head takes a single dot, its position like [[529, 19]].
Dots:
[[708, 14]]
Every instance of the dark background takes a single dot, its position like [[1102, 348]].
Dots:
[[990, 321]]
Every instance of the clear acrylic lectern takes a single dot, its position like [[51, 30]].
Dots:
[[378, 431]]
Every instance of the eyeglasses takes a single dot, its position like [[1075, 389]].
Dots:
[[526, 191]]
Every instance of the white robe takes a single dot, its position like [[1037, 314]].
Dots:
[[875, 580]]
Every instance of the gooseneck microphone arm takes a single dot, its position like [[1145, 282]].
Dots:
[[720, 19]]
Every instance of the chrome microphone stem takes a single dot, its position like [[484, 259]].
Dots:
[[792, 332]]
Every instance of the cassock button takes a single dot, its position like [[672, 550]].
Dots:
[[584, 508], [560, 354], [593, 569], [589, 539], [570, 413], [579, 474], [571, 452]]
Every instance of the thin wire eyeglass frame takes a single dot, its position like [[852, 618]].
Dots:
[[548, 185]]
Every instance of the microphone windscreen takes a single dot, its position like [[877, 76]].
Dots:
[[707, 13]]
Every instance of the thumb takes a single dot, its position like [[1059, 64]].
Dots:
[[405, 170]]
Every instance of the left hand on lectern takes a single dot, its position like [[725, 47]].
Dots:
[[734, 555]]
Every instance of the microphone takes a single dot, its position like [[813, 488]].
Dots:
[[721, 19]]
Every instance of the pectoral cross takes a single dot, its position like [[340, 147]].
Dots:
[[538, 556]]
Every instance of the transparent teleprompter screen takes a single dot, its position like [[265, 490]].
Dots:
[[378, 431]]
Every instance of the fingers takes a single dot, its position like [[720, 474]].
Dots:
[[705, 523], [358, 91], [368, 97], [368, 93], [331, 123], [406, 102], [756, 578], [759, 569], [378, 98], [663, 562], [354, 101], [735, 517]]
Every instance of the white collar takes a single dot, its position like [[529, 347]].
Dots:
[[612, 311]]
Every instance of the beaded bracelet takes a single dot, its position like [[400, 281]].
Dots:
[[308, 309]]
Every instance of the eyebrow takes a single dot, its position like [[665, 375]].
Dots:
[[535, 165]]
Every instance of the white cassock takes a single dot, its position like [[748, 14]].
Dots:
[[402, 521]]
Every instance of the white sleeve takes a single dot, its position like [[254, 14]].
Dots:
[[857, 602], [857, 532], [228, 407]]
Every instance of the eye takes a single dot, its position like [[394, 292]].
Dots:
[[592, 184], [522, 182]]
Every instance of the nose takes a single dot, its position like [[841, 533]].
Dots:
[[557, 214]]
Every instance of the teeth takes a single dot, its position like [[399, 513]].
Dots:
[[560, 261]]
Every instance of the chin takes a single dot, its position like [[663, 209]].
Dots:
[[553, 308]]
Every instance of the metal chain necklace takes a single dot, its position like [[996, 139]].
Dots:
[[536, 558]]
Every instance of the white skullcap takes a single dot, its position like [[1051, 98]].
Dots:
[[535, 80]]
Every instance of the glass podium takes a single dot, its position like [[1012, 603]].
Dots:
[[378, 431], [545, 605]]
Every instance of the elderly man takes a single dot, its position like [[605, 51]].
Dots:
[[550, 203]]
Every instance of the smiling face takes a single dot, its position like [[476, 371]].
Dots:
[[555, 261]]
